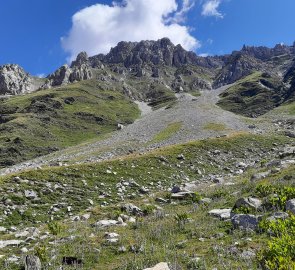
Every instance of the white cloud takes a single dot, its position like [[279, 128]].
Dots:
[[97, 28], [210, 8], [180, 16]]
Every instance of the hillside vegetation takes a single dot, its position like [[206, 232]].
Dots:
[[45, 121], [254, 95], [66, 204]]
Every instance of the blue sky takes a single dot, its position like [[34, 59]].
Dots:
[[31, 30]]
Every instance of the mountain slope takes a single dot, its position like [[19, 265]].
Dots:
[[48, 120], [255, 95]]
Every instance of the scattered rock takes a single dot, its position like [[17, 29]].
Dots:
[[290, 206], [32, 263], [105, 223], [205, 200], [290, 134], [223, 214], [30, 194], [132, 209], [85, 217], [183, 195], [258, 176], [176, 189], [278, 215], [248, 254]]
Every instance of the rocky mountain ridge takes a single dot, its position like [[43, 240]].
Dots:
[[159, 61]]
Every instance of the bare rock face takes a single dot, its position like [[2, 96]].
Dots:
[[59, 77], [80, 70], [237, 67], [14, 80]]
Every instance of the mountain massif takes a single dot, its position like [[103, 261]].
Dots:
[[150, 158]]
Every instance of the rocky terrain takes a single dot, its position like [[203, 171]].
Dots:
[[150, 157]]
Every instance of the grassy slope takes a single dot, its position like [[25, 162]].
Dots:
[[48, 120], [160, 236], [250, 97]]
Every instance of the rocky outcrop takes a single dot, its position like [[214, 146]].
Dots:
[[263, 53], [237, 66], [80, 70], [154, 53], [14, 80]]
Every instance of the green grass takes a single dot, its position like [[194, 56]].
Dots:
[[215, 127], [253, 95], [162, 237], [45, 121], [167, 133], [288, 108]]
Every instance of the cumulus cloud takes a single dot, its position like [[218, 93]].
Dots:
[[97, 28], [210, 8]]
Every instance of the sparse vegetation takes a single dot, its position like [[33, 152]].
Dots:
[[167, 132], [48, 120]]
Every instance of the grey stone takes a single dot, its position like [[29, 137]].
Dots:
[[32, 263], [245, 221], [248, 202], [30, 194], [290, 206], [223, 214], [6, 243], [278, 215], [132, 209]]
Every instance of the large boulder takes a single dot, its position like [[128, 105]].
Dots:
[[245, 221], [248, 203]]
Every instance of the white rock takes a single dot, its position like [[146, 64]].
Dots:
[[22, 234], [106, 223], [221, 213], [24, 250], [6, 243], [111, 235], [159, 266], [85, 217]]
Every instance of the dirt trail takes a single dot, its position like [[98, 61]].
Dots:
[[200, 118]]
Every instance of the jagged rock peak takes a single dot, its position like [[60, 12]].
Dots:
[[82, 58], [265, 53], [14, 80], [79, 71], [153, 53]]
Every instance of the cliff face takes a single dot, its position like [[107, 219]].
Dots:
[[14, 80]]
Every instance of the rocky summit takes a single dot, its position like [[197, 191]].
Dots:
[[150, 157]]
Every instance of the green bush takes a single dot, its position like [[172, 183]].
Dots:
[[277, 195], [280, 251]]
